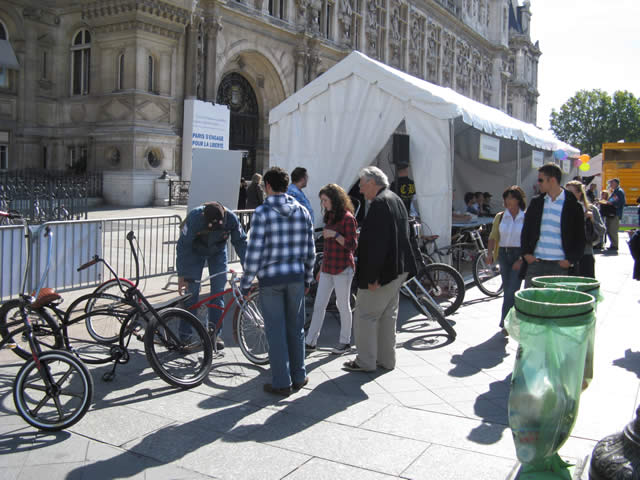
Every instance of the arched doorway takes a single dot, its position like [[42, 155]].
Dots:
[[236, 92]]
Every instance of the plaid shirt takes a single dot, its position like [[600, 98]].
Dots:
[[280, 248], [337, 257]]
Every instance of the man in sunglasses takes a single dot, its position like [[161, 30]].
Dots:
[[552, 237], [203, 237]]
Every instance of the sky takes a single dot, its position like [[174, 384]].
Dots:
[[585, 44]]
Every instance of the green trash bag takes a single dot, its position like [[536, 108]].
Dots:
[[552, 327], [581, 284]]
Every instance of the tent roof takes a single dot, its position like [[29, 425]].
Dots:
[[439, 102]]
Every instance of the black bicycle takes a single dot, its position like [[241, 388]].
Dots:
[[53, 390]]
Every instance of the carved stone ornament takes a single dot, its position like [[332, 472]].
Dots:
[[345, 17]]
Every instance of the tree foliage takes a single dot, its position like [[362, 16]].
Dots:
[[591, 118]]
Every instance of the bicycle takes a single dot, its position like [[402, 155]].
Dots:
[[248, 321], [53, 390], [176, 344], [444, 283], [468, 246]]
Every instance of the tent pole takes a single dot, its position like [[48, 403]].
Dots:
[[451, 147], [518, 166]]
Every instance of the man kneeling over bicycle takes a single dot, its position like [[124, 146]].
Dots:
[[203, 237]]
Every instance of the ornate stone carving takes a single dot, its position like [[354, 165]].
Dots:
[[345, 18], [433, 51], [158, 8], [416, 44], [138, 25], [448, 57], [309, 13]]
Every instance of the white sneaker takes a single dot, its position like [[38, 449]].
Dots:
[[341, 348]]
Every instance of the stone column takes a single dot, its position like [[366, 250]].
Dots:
[[213, 26], [164, 73], [30, 70], [192, 52], [300, 57]]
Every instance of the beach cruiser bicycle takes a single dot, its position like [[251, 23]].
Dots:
[[53, 390]]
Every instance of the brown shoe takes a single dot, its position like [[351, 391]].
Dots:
[[298, 386], [284, 392]]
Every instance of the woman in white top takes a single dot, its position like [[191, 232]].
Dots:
[[504, 242]]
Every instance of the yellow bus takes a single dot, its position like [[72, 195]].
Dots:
[[622, 160]]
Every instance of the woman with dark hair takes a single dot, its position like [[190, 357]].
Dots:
[[594, 229], [504, 245], [338, 265]]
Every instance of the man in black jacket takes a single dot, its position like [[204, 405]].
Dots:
[[384, 261], [552, 238]]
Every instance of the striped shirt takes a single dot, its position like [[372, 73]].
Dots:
[[549, 246]]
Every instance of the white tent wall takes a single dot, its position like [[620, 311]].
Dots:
[[340, 138]]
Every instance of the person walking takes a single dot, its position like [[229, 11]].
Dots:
[[338, 265], [242, 195], [618, 200], [504, 245], [593, 229], [299, 180], [384, 261], [281, 253], [255, 193], [203, 238], [552, 237]]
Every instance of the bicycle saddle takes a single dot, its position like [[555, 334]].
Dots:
[[47, 296], [430, 238]]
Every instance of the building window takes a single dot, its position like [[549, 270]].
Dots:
[[4, 73], [150, 73], [44, 65], [154, 157], [4, 156], [78, 158], [80, 63], [120, 83], [276, 8]]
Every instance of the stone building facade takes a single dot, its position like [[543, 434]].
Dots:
[[100, 84]]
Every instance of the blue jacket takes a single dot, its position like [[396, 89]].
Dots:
[[197, 244], [618, 200], [281, 247], [302, 199]]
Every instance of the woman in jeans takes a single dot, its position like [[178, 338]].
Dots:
[[338, 265], [593, 231], [505, 241]]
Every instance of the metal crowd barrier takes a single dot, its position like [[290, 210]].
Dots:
[[76, 242]]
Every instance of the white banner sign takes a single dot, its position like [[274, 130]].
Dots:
[[489, 148], [537, 159], [206, 125], [566, 165]]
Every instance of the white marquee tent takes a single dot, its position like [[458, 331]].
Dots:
[[338, 124]]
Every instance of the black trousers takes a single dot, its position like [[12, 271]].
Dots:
[[587, 266]]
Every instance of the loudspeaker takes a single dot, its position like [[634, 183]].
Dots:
[[400, 149]]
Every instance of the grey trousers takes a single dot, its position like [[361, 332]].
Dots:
[[543, 269], [613, 225], [375, 325]]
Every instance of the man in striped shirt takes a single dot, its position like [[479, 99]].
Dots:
[[552, 236]]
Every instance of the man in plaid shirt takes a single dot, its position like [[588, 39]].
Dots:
[[281, 253]]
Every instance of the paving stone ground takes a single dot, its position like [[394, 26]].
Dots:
[[441, 414]]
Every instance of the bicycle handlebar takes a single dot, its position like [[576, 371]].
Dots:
[[91, 262], [11, 215]]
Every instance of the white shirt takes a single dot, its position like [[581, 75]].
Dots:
[[510, 229], [549, 246]]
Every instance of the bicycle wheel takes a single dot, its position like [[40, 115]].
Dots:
[[91, 309], [12, 329], [432, 311], [487, 276], [178, 348], [105, 328], [58, 405], [248, 327], [445, 285]]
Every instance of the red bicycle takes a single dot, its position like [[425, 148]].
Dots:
[[248, 322]]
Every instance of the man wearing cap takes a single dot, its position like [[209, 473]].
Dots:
[[203, 238], [618, 200]]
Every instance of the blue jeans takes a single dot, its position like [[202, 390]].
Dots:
[[283, 310], [510, 278], [216, 264]]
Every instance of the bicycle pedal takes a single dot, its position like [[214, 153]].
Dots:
[[11, 346]]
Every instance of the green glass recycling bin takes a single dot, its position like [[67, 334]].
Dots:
[[552, 327], [582, 284]]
